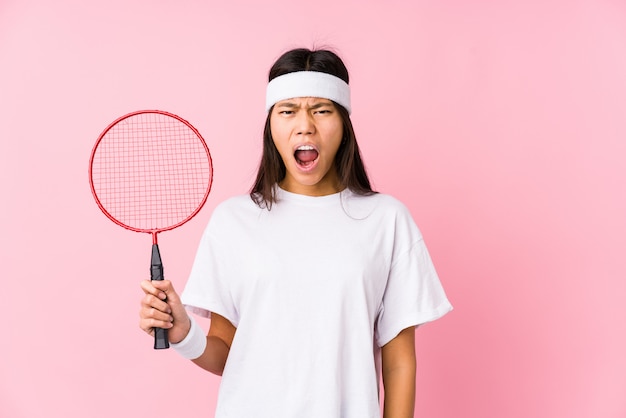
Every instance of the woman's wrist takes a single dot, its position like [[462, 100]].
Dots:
[[193, 345]]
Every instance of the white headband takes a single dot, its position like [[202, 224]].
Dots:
[[308, 84]]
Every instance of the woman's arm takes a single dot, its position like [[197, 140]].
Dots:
[[398, 367], [219, 340], [161, 307]]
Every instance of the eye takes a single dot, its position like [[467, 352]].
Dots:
[[286, 112]]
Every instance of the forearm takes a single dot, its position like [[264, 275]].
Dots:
[[399, 384], [214, 357], [218, 342], [207, 351]]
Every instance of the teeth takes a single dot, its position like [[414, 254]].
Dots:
[[305, 148]]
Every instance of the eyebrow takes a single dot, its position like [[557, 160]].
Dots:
[[292, 105]]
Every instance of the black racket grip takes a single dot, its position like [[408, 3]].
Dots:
[[161, 339]]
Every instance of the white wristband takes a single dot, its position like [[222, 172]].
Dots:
[[193, 345]]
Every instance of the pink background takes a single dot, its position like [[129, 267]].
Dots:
[[499, 123]]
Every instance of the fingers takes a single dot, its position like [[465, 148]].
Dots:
[[156, 288], [154, 308], [151, 318], [161, 307], [154, 311]]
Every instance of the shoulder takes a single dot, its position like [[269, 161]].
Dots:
[[378, 202], [235, 204], [390, 202], [233, 209], [387, 212]]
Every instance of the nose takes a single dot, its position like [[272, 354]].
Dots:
[[304, 124]]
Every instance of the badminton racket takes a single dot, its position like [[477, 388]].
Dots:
[[151, 171]]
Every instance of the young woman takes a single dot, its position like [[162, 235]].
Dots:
[[314, 282]]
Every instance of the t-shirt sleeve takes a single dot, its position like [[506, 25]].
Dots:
[[207, 287], [413, 294]]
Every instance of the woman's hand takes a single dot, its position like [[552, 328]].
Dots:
[[161, 308]]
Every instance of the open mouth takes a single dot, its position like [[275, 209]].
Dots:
[[306, 155]]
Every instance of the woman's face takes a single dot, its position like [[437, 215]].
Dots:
[[307, 132]]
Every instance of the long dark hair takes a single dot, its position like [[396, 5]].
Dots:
[[348, 162]]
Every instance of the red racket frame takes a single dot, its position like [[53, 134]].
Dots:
[[154, 231]]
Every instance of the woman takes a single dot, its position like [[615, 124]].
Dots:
[[314, 282]]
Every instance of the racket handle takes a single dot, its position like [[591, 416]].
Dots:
[[161, 339]]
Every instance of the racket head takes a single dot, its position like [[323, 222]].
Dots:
[[150, 171]]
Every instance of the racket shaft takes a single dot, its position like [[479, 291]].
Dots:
[[161, 340]]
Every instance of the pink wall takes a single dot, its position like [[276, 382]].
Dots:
[[499, 123]]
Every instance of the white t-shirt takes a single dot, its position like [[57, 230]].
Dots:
[[315, 286]]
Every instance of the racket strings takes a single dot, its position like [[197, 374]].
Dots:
[[151, 171]]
